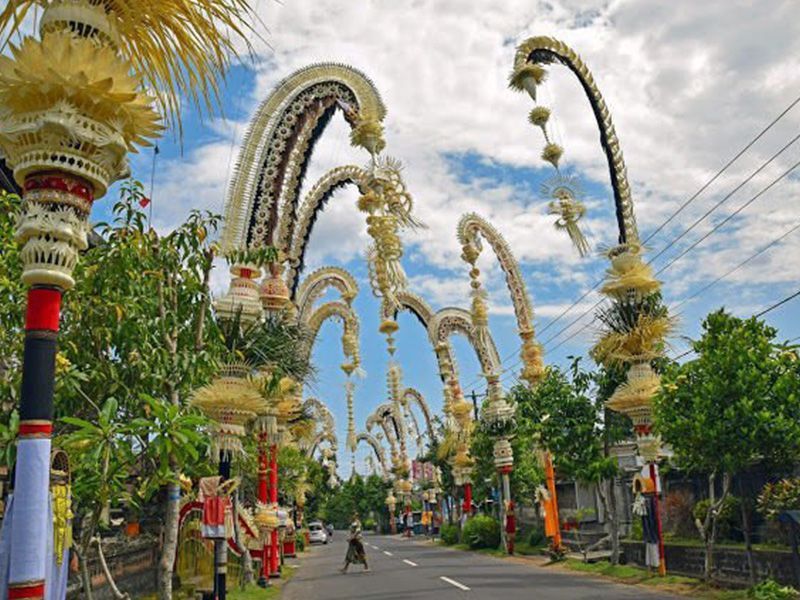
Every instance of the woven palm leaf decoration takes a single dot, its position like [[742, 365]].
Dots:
[[177, 47]]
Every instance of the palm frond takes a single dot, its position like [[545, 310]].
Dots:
[[180, 48]]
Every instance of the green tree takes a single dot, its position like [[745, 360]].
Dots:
[[736, 404], [137, 327], [12, 304], [568, 418]]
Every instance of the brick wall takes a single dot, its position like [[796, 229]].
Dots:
[[730, 563], [133, 564]]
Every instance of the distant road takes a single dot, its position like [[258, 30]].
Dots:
[[404, 570]]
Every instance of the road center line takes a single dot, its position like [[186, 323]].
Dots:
[[388, 553], [460, 586], [408, 562], [374, 547]]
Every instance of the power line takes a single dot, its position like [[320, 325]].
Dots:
[[737, 267], [695, 196], [725, 198], [758, 253], [724, 221], [666, 222], [767, 310], [722, 170]]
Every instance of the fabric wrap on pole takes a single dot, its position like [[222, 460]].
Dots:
[[29, 530]]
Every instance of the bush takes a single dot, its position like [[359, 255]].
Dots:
[[449, 534], [481, 532], [771, 590], [300, 542], [728, 519], [776, 498], [536, 537], [368, 524]]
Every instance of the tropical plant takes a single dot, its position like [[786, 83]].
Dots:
[[736, 404], [449, 534], [776, 498], [12, 303], [481, 531]]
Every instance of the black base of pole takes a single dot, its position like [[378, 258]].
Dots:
[[263, 582]]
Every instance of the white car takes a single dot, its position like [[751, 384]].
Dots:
[[317, 533]]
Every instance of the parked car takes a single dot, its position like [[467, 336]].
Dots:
[[317, 533]]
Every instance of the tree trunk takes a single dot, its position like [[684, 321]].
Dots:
[[170, 547], [611, 518], [709, 526], [119, 595], [747, 533], [86, 578]]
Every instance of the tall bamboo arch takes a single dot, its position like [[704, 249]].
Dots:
[[411, 395], [543, 49], [372, 442], [314, 285], [280, 140], [471, 229], [350, 336]]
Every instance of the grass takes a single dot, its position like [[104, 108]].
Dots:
[[628, 574], [251, 592]]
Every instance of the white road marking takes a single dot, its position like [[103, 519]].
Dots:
[[408, 562], [374, 547], [388, 553], [460, 586]]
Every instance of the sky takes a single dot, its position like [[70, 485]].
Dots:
[[689, 84]]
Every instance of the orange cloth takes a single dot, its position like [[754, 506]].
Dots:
[[550, 523]]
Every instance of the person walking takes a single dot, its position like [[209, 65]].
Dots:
[[355, 546]]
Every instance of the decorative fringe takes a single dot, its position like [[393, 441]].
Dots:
[[180, 49], [527, 77], [533, 364], [539, 116], [368, 134], [636, 394], [570, 211], [642, 342], [629, 274], [552, 153]]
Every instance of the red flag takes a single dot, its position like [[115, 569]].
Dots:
[[144, 201]]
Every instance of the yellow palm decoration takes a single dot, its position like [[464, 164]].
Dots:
[[178, 47]]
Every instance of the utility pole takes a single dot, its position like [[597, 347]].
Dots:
[[475, 404]]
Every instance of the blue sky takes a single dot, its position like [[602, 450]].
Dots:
[[688, 87]]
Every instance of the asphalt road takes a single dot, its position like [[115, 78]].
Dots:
[[402, 569]]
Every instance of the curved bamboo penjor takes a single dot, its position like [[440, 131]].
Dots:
[[528, 72], [385, 201], [350, 340], [278, 145], [637, 322], [313, 287], [471, 228], [448, 321], [373, 443], [323, 436], [410, 395], [320, 413]]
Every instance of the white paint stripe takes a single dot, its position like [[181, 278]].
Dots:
[[374, 547], [460, 586], [388, 553], [408, 562]]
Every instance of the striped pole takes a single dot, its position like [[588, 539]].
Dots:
[[51, 231]]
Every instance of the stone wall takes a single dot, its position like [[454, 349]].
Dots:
[[133, 564], [730, 563]]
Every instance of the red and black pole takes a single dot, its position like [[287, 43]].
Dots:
[[51, 232], [263, 497], [274, 557]]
